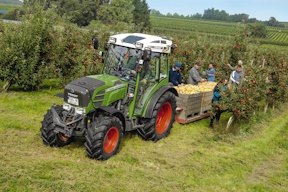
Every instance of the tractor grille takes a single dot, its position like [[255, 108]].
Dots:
[[81, 90], [88, 83]]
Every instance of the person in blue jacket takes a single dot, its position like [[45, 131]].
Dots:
[[210, 73], [174, 74], [217, 98]]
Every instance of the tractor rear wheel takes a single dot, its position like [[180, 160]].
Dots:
[[162, 120], [47, 130], [103, 139]]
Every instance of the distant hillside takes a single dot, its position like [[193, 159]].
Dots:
[[7, 7], [284, 23], [16, 2]]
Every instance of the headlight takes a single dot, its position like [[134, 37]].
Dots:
[[112, 40], [80, 111], [66, 107], [139, 45]]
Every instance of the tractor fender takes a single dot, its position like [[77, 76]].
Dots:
[[114, 112], [156, 96]]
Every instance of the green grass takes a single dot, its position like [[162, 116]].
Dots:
[[274, 47], [284, 23], [192, 158], [8, 7]]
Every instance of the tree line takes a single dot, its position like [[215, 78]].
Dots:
[[82, 12], [215, 14]]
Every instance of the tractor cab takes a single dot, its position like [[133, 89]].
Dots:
[[140, 60]]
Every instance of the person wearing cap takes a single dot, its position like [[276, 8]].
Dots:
[[194, 76], [174, 74], [239, 63], [236, 75], [210, 73]]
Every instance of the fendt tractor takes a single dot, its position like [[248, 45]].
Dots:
[[131, 93]]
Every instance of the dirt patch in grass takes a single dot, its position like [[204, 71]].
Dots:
[[270, 172]]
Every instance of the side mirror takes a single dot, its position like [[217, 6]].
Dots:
[[101, 54], [147, 55], [173, 47], [95, 43]]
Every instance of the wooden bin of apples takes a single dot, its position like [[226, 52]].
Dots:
[[193, 102]]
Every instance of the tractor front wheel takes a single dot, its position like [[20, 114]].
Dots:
[[162, 120], [47, 130], [103, 139]]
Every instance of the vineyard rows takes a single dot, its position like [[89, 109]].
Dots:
[[220, 28], [281, 37], [275, 34]]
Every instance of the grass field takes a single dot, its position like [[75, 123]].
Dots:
[[192, 158], [8, 6], [284, 23]]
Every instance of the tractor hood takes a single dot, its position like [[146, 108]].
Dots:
[[108, 80], [80, 91]]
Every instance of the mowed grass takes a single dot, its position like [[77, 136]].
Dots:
[[192, 158]]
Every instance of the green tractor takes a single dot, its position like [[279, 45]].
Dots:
[[131, 93]]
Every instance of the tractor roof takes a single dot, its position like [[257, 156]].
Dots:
[[142, 41]]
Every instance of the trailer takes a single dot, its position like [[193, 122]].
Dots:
[[193, 107]]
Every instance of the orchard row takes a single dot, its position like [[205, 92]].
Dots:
[[34, 50], [265, 72]]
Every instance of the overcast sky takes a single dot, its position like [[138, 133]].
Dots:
[[259, 9]]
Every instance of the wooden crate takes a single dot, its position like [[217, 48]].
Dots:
[[184, 99], [191, 119], [206, 102], [189, 102], [191, 105]]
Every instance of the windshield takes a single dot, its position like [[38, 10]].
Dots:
[[122, 62]]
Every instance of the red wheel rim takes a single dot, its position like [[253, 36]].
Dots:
[[163, 118], [62, 137], [111, 140]]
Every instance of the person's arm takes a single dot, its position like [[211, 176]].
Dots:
[[205, 73], [242, 76], [232, 68], [211, 73], [172, 79], [217, 94], [196, 76], [179, 78], [232, 77]]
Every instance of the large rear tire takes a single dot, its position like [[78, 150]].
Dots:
[[103, 140], [47, 130], [162, 120]]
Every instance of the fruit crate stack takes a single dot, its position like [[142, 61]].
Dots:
[[193, 102]]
